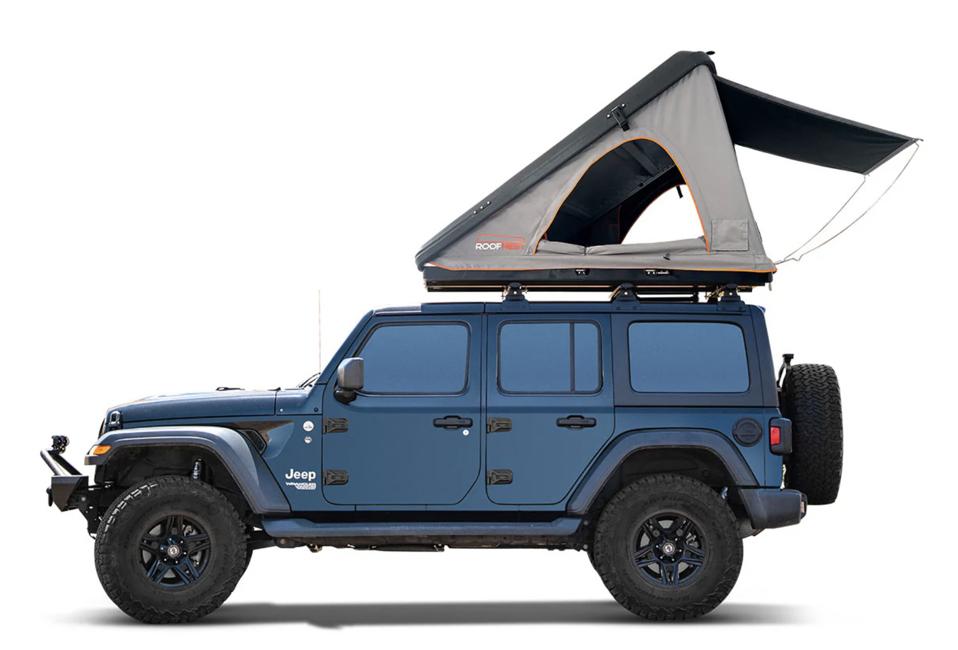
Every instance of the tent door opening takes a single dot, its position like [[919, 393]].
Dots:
[[611, 195]]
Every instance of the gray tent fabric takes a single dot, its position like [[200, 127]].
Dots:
[[572, 208]]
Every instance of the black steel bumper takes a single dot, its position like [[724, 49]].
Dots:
[[68, 487], [772, 507]]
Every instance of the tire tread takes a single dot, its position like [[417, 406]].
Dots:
[[812, 401], [666, 484], [104, 551]]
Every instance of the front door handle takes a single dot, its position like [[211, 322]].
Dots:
[[452, 422], [576, 422]]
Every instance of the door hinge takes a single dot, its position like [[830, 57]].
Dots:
[[494, 425], [499, 477], [335, 425], [335, 477]]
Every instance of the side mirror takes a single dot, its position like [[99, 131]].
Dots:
[[349, 379]]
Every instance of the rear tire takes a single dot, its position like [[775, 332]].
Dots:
[[249, 557], [667, 548], [812, 401], [170, 550]]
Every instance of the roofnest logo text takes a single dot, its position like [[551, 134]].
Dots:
[[497, 243]]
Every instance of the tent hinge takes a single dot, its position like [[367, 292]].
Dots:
[[619, 115]]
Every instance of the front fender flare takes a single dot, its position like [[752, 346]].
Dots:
[[247, 468], [626, 444]]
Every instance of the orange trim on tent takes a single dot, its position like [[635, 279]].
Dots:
[[671, 268]]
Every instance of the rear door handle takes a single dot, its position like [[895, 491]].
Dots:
[[452, 422], [576, 422]]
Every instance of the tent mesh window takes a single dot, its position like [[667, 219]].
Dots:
[[613, 194]]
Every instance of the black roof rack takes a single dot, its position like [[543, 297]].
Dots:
[[627, 292]]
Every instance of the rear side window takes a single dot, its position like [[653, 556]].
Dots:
[[689, 357], [416, 359], [549, 357]]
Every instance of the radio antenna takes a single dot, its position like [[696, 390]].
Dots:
[[319, 328]]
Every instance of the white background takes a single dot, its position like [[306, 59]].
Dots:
[[178, 179]]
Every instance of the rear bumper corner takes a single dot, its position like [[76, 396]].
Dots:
[[773, 507]]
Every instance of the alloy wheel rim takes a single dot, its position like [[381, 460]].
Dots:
[[174, 552], [669, 550]]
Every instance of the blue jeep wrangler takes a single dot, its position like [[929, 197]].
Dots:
[[654, 435]]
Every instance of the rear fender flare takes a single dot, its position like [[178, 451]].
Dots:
[[630, 442], [246, 467]]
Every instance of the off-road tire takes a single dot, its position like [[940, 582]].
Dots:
[[249, 558], [117, 550], [636, 503], [812, 401]]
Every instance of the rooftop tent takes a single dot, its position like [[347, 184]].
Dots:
[[563, 219]]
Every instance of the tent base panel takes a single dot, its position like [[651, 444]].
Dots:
[[645, 280]]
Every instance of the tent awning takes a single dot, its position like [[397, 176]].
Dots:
[[779, 127]]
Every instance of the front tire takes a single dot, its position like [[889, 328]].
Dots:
[[667, 548], [170, 550]]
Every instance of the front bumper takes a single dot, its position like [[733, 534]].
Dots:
[[68, 487]]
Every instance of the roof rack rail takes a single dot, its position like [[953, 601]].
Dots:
[[514, 291], [627, 292], [728, 293]]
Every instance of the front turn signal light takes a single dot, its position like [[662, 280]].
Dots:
[[99, 450]]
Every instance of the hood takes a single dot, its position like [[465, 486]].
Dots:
[[216, 404]]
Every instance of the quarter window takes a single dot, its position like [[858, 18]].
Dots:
[[691, 357], [416, 359], [544, 357]]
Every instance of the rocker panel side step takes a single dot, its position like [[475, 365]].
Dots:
[[300, 528]]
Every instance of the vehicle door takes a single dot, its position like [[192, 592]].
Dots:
[[409, 435], [549, 403]]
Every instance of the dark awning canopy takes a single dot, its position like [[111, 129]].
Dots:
[[779, 127]]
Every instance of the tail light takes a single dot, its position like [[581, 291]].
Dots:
[[775, 435], [780, 436]]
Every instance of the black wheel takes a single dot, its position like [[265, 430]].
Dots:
[[170, 550], [667, 548], [812, 401]]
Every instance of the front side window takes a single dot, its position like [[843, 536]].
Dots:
[[426, 358], [691, 357], [543, 357]]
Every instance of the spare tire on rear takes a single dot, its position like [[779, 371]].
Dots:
[[812, 401]]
